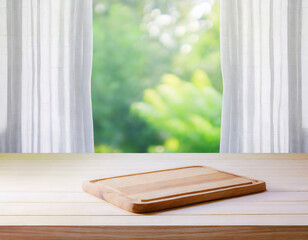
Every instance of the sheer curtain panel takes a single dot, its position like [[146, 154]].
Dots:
[[45, 74], [264, 51]]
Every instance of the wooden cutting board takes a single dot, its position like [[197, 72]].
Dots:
[[158, 190]]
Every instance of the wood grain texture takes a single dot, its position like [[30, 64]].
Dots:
[[157, 156], [41, 195], [155, 232], [176, 220], [170, 188]]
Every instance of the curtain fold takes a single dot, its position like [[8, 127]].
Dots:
[[45, 76], [264, 54]]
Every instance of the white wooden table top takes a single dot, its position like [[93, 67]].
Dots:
[[46, 190]]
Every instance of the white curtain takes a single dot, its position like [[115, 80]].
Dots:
[[264, 51], [45, 73]]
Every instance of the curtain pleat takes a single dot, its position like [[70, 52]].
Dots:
[[264, 57], [45, 76]]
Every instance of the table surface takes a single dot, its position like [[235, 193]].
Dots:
[[45, 190]]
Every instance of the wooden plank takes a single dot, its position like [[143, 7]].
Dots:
[[100, 167], [59, 167], [50, 197], [157, 220], [158, 232], [104, 167], [11, 175], [158, 156], [62, 197], [23, 185], [144, 163], [221, 207]]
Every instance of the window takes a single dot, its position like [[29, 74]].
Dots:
[[156, 80]]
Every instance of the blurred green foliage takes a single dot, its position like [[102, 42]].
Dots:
[[186, 113], [136, 43]]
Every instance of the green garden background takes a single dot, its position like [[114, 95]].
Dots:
[[156, 79]]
